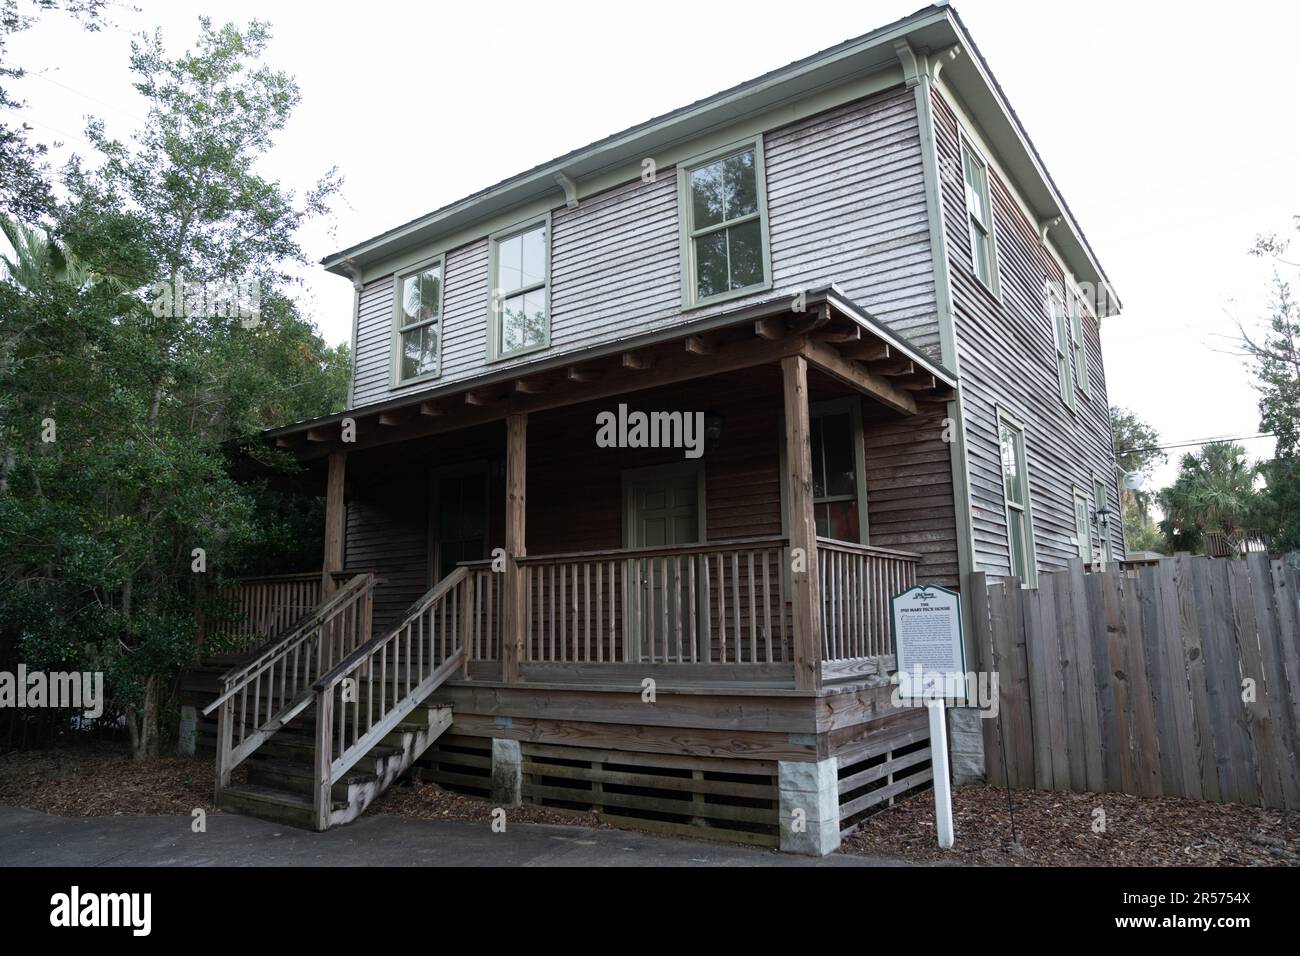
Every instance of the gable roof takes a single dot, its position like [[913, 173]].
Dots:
[[935, 27]]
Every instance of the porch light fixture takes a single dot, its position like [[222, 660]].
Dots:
[[1102, 517], [712, 426]]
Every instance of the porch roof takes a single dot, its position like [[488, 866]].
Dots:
[[836, 335]]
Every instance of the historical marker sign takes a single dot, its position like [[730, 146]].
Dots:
[[928, 641]]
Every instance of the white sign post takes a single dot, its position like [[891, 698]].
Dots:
[[930, 657]]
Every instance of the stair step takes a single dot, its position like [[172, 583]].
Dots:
[[299, 778], [267, 803]]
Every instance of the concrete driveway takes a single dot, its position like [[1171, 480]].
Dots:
[[29, 838]]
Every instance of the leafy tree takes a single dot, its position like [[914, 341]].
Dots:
[[1275, 360], [1215, 491], [1136, 451], [122, 396], [24, 190]]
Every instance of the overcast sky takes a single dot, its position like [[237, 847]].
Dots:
[[1169, 127]]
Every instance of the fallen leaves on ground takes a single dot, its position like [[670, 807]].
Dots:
[[1057, 829], [101, 782]]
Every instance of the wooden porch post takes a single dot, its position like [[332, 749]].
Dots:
[[514, 596], [334, 516], [805, 578]]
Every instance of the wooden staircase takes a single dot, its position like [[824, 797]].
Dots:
[[327, 717]]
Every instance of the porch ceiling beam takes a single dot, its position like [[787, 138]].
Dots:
[[839, 336], [432, 409], [700, 345], [850, 373], [868, 350], [576, 374], [322, 434], [639, 361], [481, 396], [393, 418], [771, 329], [899, 368], [920, 382], [530, 386]]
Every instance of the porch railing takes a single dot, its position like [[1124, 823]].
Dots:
[[260, 697], [254, 611], [857, 582], [716, 603]]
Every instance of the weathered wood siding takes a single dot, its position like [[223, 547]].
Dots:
[[1008, 358], [575, 493], [846, 204]]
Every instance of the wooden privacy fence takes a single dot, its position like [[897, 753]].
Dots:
[[1179, 679]]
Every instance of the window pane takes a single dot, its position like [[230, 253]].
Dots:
[[837, 450], [711, 264], [708, 202], [523, 321], [746, 254], [724, 190], [533, 268], [420, 296], [741, 185], [979, 245], [1016, 532], [976, 188], [838, 520], [510, 264], [420, 351], [1012, 467]]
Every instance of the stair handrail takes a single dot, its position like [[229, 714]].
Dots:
[[329, 633], [444, 639]]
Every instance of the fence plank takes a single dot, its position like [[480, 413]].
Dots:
[[1256, 710], [1020, 744], [1213, 603], [1180, 697], [1275, 682], [986, 601], [1146, 731], [1189, 624], [1086, 679], [1259, 659], [1241, 767], [1036, 652], [1097, 586]]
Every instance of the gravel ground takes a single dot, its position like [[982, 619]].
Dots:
[[1056, 829]]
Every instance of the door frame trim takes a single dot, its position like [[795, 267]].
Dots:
[[436, 474]]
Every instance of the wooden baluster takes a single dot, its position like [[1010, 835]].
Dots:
[[753, 613], [692, 622], [767, 607]]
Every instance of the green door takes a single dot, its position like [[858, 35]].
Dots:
[[663, 507]]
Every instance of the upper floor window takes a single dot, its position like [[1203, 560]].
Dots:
[[1080, 346], [980, 213], [519, 310], [724, 225], [1015, 489], [418, 323], [1061, 340]]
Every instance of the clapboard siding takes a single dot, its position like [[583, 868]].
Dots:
[[846, 204], [1008, 358]]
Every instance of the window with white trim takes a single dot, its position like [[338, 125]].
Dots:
[[520, 310], [418, 323], [1015, 491], [1081, 376], [724, 222], [980, 214], [1061, 339]]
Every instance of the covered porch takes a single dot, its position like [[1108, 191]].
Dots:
[[763, 558]]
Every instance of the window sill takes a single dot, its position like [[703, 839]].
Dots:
[[517, 353], [395, 386], [689, 306]]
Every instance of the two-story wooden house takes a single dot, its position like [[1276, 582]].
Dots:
[[642, 440]]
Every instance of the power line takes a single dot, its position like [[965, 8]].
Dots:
[[1199, 441]]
